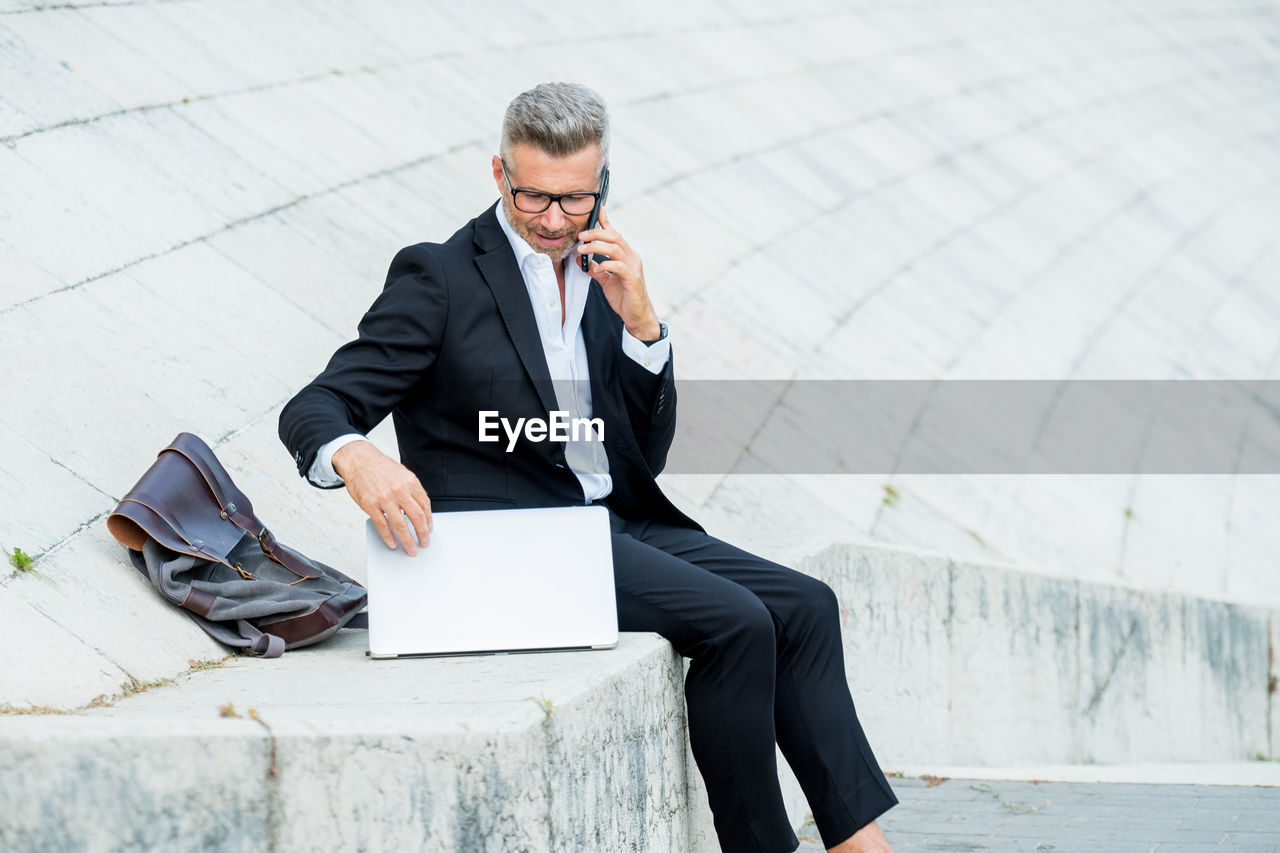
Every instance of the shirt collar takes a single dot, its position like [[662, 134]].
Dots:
[[519, 245]]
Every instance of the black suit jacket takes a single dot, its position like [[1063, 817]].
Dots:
[[452, 334]]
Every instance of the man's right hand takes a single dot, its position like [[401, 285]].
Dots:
[[388, 492]]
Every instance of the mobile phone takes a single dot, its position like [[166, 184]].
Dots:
[[594, 219]]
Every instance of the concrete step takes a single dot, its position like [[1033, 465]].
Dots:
[[951, 664], [964, 663], [325, 749]]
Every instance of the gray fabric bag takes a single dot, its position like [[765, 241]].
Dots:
[[196, 538]]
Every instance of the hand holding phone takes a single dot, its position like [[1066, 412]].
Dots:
[[594, 219]]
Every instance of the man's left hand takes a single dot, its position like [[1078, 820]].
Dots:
[[622, 277]]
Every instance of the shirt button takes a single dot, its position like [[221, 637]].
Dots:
[[551, 303], [648, 363]]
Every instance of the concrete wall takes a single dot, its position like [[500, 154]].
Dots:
[[960, 663]]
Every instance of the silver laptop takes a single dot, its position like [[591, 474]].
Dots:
[[496, 581]]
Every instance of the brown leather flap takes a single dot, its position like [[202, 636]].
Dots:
[[187, 502], [128, 532], [173, 504]]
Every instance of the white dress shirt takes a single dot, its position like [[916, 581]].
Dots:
[[566, 355]]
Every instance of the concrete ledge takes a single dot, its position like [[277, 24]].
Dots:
[[570, 751], [995, 666], [588, 751]]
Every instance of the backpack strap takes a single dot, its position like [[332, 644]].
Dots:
[[235, 505], [266, 645]]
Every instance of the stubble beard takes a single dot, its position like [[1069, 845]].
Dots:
[[556, 255]]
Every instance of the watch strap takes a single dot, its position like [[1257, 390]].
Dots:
[[662, 336]]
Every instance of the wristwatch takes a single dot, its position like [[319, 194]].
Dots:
[[661, 337]]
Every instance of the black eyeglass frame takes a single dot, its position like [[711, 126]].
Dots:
[[551, 198]]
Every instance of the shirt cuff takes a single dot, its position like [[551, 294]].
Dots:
[[322, 473], [652, 358]]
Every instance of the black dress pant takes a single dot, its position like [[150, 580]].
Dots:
[[766, 667]]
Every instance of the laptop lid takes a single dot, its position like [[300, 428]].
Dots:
[[495, 581]]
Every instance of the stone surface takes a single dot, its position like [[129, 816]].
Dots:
[[51, 666], [89, 589], [568, 751], [177, 784], [972, 814], [198, 199], [995, 666]]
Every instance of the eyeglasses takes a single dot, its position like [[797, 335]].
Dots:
[[534, 201]]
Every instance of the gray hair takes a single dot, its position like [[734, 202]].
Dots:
[[558, 119]]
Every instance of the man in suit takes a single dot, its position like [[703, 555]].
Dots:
[[502, 318]]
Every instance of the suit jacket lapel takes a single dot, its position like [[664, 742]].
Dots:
[[497, 264]]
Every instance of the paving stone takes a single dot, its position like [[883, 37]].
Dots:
[[1256, 820], [1114, 817], [1264, 838]]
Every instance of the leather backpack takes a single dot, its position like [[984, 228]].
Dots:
[[195, 536]]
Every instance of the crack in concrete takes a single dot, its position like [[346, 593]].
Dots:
[[550, 743], [82, 479], [225, 93], [1096, 333], [1134, 198], [304, 310], [235, 223], [85, 525], [1077, 593], [949, 623], [82, 641], [992, 83], [997, 210], [1096, 700], [54, 7], [1177, 248], [988, 85], [365, 69], [60, 544], [39, 555], [1272, 678], [251, 423]]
